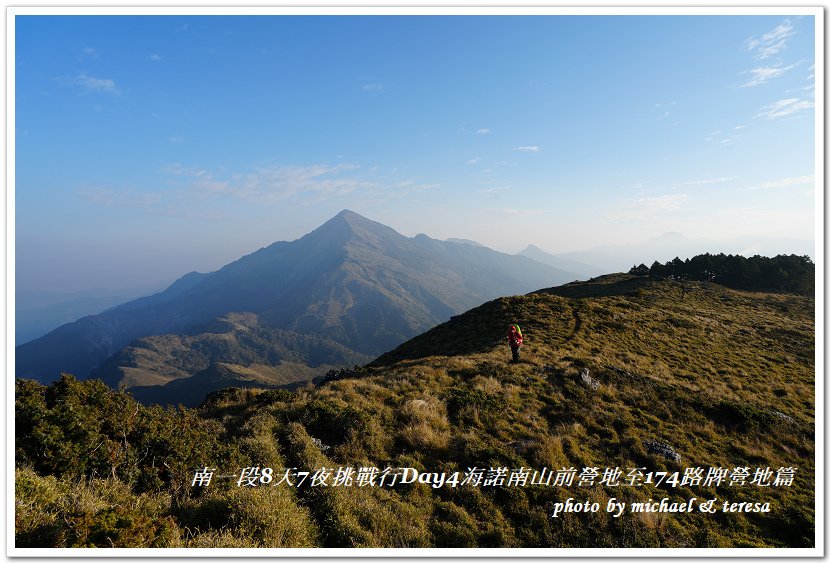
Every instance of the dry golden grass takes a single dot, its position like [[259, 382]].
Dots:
[[724, 377]]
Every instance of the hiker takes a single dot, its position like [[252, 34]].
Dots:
[[514, 337]]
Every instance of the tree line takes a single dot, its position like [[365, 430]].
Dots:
[[786, 273]]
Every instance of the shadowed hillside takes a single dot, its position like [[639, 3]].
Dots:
[[620, 372], [236, 339]]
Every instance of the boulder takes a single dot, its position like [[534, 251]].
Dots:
[[587, 380], [661, 448], [320, 445], [784, 417]]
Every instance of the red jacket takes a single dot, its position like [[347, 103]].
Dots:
[[514, 338]]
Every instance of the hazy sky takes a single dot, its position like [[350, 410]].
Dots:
[[150, 146]]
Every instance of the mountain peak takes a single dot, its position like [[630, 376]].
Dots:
[[353, 219], [348, 226], [346, 220], [348, 214]]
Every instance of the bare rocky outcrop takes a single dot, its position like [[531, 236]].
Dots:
[[587, 380], [661, 448]]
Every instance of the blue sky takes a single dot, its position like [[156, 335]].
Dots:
[[150, 146]]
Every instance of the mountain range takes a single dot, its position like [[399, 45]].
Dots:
[[342, 294], [39, 312], [584, 269], [621, 257]]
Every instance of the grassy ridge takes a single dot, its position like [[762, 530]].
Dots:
[[724, 377]]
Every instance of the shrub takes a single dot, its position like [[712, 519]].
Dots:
[[83, 429], [94, 513]]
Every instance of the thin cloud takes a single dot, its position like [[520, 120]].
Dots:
[[528, 148], [665, 113], [92, 84], [280, 183], [785, 183], [109, 197], [155, 57], [191, 187], [515, 212], [648, 207], [474, 160], [97, 195], [483, 131], [762, 75], [777, 222], [495, 190], [811, 87], [771, 43], [302, 185], [730, 140], [783, 108], [90, 53], [661, 203], [709, 181], [372, 87], [719, 138]]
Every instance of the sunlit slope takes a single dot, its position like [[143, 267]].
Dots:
[[699, 336], [619, 372]]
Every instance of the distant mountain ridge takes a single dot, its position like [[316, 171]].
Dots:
[[235, 339], [465, 241], [585, 270], [351, 289], [39, 312], [670, 245]]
